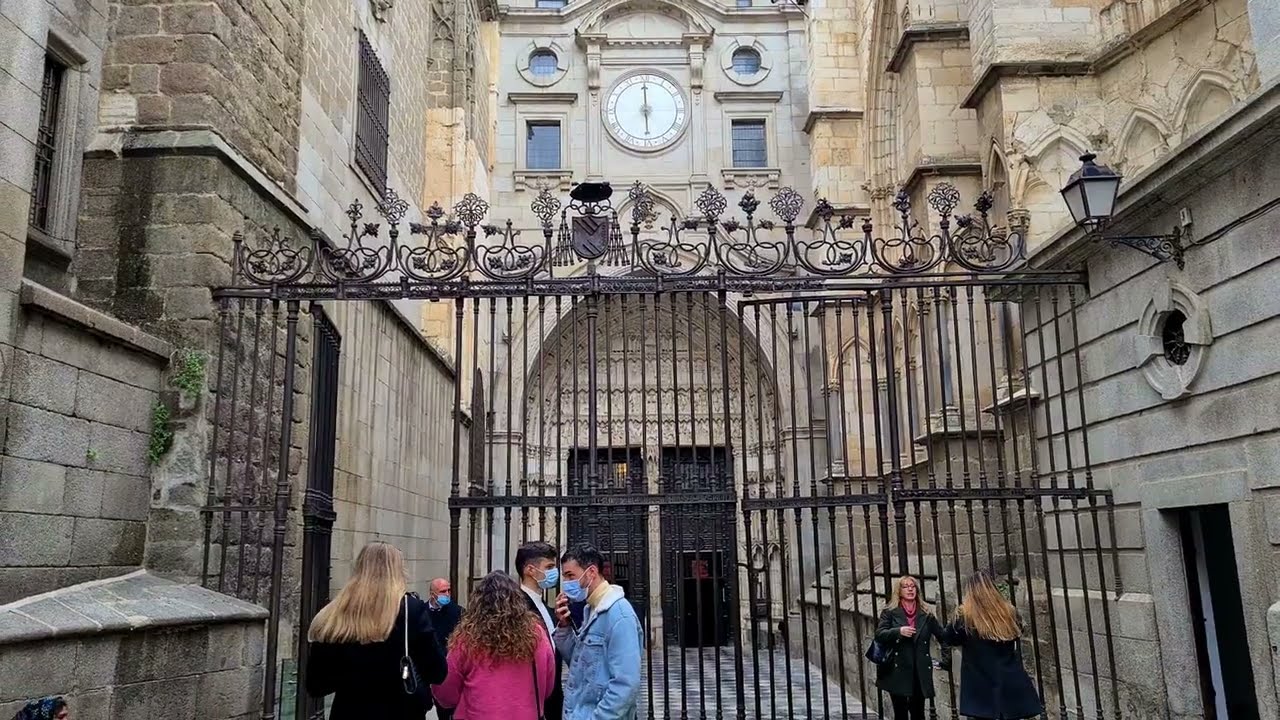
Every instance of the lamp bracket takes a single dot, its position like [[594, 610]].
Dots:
[[1161, 247]]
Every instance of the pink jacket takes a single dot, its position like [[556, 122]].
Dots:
[[481, 690]]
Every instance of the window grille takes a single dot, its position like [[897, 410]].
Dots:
[[542, 146], [543, 63], [46, 145], [746, 61], [373, 94], [750, 149]]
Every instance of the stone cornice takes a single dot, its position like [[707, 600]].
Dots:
[[1024, 68], [925, 33], [946, 166], [1227, 143], [49, 302], [545, 98], [745, 96], [830, 113], [856, 210]]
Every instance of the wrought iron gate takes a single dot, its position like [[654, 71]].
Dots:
[[762, 429]]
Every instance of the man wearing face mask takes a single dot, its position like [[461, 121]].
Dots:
[[445, 616], [603, 682], [536, 566]]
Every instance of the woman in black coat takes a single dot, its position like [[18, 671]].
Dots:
[[906, 625], [358, 641], [993, 683]]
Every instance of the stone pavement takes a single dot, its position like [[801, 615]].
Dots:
[[687, 688]]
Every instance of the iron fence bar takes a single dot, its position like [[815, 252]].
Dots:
[[1053, 483], [281, 510], [878, 429], [455, 478], [476, 468], [1007, 330], [677, 481], [862, 454], [980, 446], [1093, 510], [792, 336], [224, 310], [524, 420], [562, 479], [848, 509], [1075, 502], [661, 489], [717, 473], [508, 472], [543, 337], [263, 490], [784, 579], [700, 477], [491, 432], [645, 453], [998, 430], [747, 521], [225, 494], [249, 486], [813, 513], [831, 511], [764, 514]]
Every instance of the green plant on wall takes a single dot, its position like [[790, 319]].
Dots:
[[161, 433], [188, 373]]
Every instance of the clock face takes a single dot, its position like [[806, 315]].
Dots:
[[645, 112]]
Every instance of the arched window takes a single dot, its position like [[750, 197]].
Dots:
[[746, 61], [543, 62]]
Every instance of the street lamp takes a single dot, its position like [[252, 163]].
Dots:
[[1090, 195]]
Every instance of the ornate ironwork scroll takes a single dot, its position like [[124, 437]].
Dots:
[[586, 230]]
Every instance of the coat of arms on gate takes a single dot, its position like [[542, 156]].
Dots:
[[590, 236]]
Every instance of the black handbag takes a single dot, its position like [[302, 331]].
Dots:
[[409, 677], [877, 653]]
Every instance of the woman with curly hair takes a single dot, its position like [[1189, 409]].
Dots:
[[501, 664]]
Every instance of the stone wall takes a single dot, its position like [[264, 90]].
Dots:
[[229, 66], [1164, 437], [136, 646], [74, 476]]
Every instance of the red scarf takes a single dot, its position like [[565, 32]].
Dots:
[[910, 611]]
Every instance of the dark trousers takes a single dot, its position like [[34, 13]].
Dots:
[[443, 714], [909, 707]]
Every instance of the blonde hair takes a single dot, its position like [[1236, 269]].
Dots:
[[895, 599], [986, 610], [366, 608]]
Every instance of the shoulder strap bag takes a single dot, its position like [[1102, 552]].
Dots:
[[409, 677]]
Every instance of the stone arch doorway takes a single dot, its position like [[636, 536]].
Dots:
[[662, 389]]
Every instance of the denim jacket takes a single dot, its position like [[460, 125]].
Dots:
[[603, 682]]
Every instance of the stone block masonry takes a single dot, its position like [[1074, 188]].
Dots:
[[134, 646], [232, 67], [74, 480]]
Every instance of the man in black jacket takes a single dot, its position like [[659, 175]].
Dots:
[[536, 566], [445, 616]]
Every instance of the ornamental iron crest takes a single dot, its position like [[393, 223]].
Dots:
[[759, 239]]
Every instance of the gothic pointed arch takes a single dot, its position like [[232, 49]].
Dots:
[[881, 104], [1143, 138], [1209, 94]]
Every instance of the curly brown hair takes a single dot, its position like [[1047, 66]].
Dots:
[[498, 624]]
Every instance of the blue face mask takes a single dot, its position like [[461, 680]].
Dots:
[[443, 600], [549, 578], [574, 591]]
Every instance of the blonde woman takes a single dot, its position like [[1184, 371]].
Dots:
[[906, 625], [358, 642], [993, 683]]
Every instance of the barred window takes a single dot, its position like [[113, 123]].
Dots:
[[543, 62], [542, 145], [39, 215], [746, 61], [750, 150], [373, 93]]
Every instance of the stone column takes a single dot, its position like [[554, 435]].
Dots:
[[595, 127], [697, 109]]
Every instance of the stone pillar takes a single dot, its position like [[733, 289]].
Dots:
[[697, 109]]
